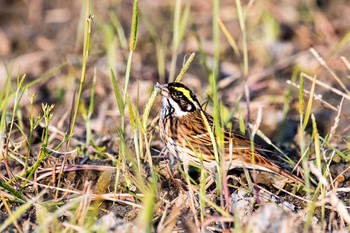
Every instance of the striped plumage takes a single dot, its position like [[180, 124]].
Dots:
[[183, 128]]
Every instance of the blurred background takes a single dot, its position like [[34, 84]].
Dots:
[[44, 40], [258, 52]]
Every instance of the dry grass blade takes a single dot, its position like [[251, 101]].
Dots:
[[336, 121], [346, 62], [333, 74], [340, 207], [317, 97], [328, 87]]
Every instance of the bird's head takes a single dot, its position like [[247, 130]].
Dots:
[[177, 99]]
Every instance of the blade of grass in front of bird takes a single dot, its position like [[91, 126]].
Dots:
[[217, 137], [214, 75], [202, 181], [215, 149]]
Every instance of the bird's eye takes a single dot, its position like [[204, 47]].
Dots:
[[178, 93]]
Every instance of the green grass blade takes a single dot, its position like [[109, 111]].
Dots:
[[117, 93], [318, 164], [145, 218], [301, 98], [16, 215], [176, 35], [120, 31], [87, 36], [132, 46], [228, 36], [317, 144], [309, 103], [134, 26], [185, 67], [148, 108], [5, 98], [184, 22], [90, 110]]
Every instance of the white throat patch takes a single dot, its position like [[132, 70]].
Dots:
[[170, 106]]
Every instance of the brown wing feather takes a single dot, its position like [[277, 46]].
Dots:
[[237, 147], [197, 137]]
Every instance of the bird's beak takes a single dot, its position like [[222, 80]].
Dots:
[[162, 89]]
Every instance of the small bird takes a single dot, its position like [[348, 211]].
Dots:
[[186, 130]]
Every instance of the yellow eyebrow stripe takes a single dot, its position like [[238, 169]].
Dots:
[[186, 92]]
